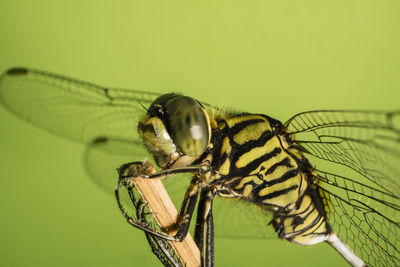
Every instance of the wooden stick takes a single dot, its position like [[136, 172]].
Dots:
[[165, 213]]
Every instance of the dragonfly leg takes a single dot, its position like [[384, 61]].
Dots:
[[130, 171], [145, 169], [163, 251], [204, 231], [139, 223], [159, 246], [187, 209]]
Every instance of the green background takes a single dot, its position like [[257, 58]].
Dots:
[[272, 57]]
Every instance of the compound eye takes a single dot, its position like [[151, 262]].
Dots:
[[188, 125]]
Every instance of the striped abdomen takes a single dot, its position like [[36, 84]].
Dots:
[[305, 224]]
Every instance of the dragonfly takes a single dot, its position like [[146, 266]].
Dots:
[[322, 176]]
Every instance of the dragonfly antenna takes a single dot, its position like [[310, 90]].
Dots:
[[141, 105]]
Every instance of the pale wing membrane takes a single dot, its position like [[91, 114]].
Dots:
[[104, 156], [363, 217], [78, 110], [72, 108], [357, 156], [234, 218], [102, 159]]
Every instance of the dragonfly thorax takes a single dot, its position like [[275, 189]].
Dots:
[[254, 164], [254, 159]]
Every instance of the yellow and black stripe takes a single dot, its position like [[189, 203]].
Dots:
[[254, 159], [306, 224]]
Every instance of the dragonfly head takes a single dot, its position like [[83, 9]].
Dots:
[[175, 127]]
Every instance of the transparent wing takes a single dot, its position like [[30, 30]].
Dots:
[[78, 110], [241, 219], [357, 157], [72, 108]]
